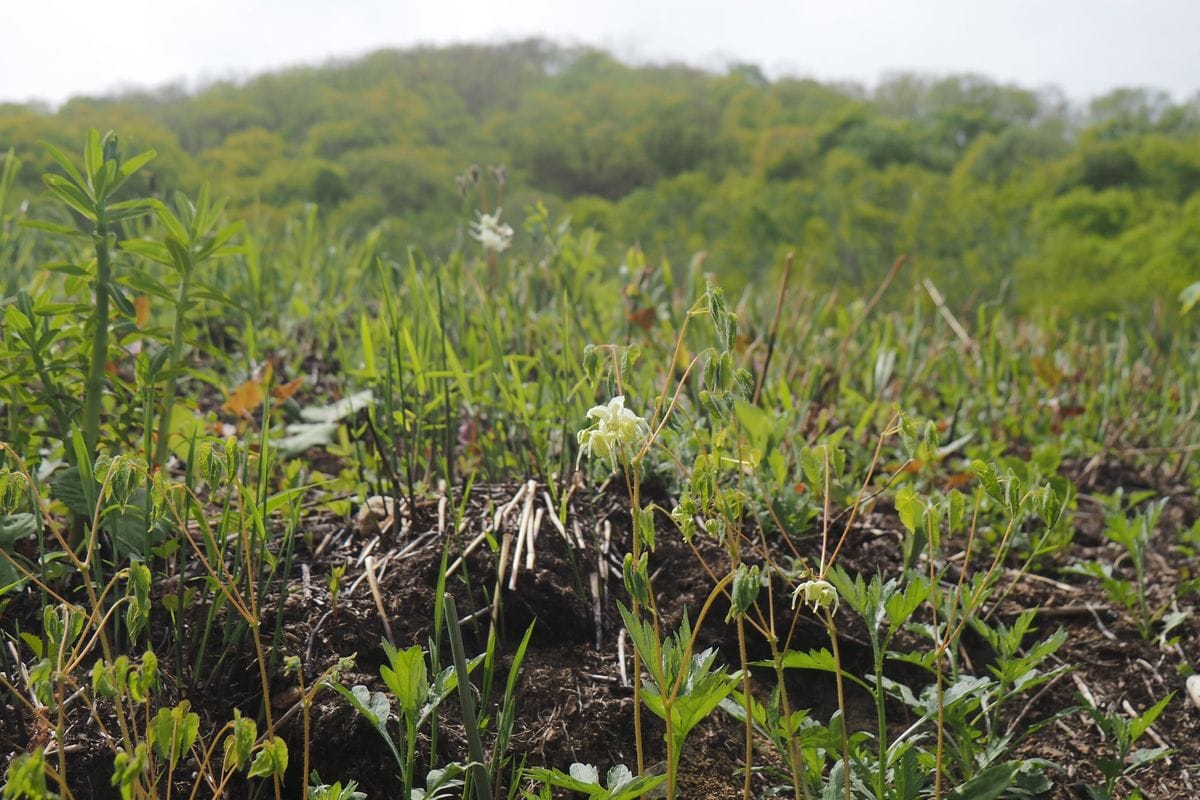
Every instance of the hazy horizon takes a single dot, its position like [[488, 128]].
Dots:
[[1085, 49]]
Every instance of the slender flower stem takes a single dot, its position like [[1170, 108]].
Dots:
[[841, 698], [799, 785], [741, 632], [881, 720], [634, 487]]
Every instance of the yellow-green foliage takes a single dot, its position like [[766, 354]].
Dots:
[[993, 191]]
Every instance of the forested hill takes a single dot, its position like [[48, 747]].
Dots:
[[993, 191]]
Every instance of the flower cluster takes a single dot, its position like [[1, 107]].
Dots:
[[615, 428], [495, 236]]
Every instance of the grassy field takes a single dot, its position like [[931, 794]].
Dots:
[[285, 514]]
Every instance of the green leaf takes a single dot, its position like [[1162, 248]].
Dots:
[[755, 422], [144, 678], [130, 531], [1141, 722], [272, 759], [900, 606], [240, 742], [33, 643], [957, 509], [65, 162], [181, 259], [987, 476], [820, 659], [126, 769], [15, 527], [142, 282], [1146, 755], [407, 677], [644, 638], [812, 467], [93, 154], [17, 322], [67, 487], [173, 731], [120, 301], [104, 181], [563, 780], [11, 578], [137, 593], [169, 221], [1189, 297], [26, 777], [645, 526], [972, 686], [907, 777], [53, 227], [67, 268], [988, 784], [137, 162], [910, 507], [635, 574], [127, 210], [691, 708], [70, 194]]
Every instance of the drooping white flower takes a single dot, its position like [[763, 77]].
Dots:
[[495, 236], [614, 428], [628, 426], [817, 594]]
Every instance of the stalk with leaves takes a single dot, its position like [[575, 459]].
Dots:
[[194, 234], [91, 194]]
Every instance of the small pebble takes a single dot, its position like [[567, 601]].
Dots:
[[1193, 690]]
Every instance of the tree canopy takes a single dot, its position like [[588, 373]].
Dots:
[[995, 192]]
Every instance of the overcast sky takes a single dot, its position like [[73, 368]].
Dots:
[[53, 49]]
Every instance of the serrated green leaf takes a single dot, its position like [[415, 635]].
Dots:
[[407, 677]]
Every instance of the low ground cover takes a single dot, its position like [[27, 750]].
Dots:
[[283, 512]]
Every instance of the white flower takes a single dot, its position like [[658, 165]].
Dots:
[[818, 594], [491, 233], [615, 427]]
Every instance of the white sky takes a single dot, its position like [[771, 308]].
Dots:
[[53, 49]]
